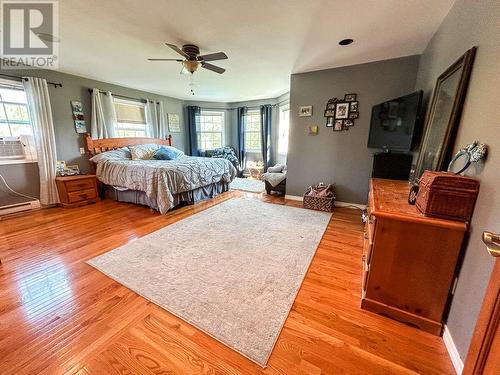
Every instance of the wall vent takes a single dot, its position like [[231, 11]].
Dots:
[[19, 207]]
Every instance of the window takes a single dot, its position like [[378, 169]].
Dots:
[[253, 139], [131, 118], [284, 126], [14, 117], [210, 130]]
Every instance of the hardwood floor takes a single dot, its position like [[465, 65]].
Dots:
[[59, 315]]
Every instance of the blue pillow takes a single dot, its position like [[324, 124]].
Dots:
[[167, 153]]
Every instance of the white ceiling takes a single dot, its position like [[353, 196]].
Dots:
[[266, 40]]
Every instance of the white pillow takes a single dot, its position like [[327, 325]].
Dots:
[[143, 152]]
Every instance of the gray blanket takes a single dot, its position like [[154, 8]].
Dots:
[[161, 179]]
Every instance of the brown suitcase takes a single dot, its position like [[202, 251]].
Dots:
[[447, 195]]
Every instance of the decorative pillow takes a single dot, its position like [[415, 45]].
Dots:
[[167, 153], [143, 152], [278, 168], [118, 154]]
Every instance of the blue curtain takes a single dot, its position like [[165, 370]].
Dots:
[[242, 115], [266, 113], [193, 122]]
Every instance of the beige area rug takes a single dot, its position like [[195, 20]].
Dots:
[[232, 271], [247, 184]]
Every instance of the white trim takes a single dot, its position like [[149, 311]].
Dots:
[[294, 197], [15, 161], [337, 203], [458, 364], [346, 204]]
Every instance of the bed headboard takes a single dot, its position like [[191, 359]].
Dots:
[[96, 146]]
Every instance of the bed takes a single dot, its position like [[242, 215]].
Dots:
[[159, 184]]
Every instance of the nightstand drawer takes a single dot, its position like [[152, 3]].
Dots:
[[78, 185], [82, 195]]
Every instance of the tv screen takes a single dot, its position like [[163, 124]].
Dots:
[[394, 123]]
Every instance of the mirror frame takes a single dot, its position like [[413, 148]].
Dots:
[[465, 63]]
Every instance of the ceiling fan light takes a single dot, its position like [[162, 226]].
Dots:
[[191, 65]]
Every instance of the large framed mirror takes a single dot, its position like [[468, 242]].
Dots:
[[444, 115]]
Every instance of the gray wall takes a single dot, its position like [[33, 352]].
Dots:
[[68, 141], [472, 23], [341, 158], [22, 178]]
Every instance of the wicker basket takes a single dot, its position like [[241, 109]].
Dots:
[[446, 195], [319, 203]]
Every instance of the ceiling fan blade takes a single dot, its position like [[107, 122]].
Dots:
[[178, 50], [213, 56], [213, 68], [179, 60]]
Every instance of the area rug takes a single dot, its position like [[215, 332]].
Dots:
[[247, 184], [233, 270]]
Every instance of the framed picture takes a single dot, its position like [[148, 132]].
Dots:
[[313, 130], [444, 114], [329, 112], [339, 125], [174, 124], [305, 110], [330, 122], [354, 115], [330, 105], [78, 119], [341, 110], [350, 97], [354, 107], [348, 123]]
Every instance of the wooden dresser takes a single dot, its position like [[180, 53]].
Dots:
[[77, 190], [409, 260]]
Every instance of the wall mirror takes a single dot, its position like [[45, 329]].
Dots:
[[444, 115]]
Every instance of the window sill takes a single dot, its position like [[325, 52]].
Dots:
[[15, 161]]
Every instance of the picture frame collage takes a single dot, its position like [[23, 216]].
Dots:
[[341, 113]]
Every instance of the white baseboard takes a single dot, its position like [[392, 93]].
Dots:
[[294, 197], [337, 203], [452, 351]]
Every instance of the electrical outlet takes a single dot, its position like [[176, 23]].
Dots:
[[82, 151]]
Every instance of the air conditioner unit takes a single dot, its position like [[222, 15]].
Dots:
[[19, 207]]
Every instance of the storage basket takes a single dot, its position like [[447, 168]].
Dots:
[[319, 203], [446, 195]]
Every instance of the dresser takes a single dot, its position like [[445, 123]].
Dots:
[[77, 190], [409, 260]]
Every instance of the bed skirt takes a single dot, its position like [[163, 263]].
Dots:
[[187, 197]]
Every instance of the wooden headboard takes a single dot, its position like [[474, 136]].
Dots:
[[96, 146]]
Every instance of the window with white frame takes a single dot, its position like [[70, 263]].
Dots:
[[283, 129], [210, 130], [253, 137], [14, 116], [130, 118]]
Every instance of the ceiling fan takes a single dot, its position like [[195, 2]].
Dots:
[[193, 60]]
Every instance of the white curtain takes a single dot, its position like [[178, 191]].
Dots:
[[156, 120], [103, 119], [37, 93]]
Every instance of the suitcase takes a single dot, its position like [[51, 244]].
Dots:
[[447, 195]]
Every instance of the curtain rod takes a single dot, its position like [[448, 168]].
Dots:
[[25, 79], [232, 109], [126, 97]]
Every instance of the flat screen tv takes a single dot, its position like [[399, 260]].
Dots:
[[395, 124]]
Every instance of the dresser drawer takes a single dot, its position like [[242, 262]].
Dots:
[[78, 185], [82, 195]]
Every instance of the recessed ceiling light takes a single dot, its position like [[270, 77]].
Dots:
[[48, 37], [346, 42]]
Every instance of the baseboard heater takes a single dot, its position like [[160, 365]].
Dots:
[[19, 207]]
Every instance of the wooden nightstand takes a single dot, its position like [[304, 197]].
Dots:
[[77, 190]]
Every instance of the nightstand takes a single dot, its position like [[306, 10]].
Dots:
[[77, 190]]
